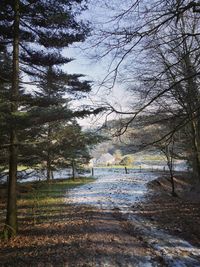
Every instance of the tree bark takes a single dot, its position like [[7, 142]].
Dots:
[[49, 153], [73, 170], [48, 171], [196, 156], [48, 164], [192, 104], [169, 157], [11, 218]]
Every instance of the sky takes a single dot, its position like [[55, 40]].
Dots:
[[95, 71]]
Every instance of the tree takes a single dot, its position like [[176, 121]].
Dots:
[[5, 70], [156, 49], [126, 160], [151, 134], [35, 32], [55, 89], [176, 62], [75, 146], [117, 155], [130, 25]]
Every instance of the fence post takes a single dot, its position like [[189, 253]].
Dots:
[[164, 168]]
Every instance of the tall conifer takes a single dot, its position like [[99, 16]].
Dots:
[[35, 32]]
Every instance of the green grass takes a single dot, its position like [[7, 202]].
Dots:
[[45, 202], [19, 168], [44, 191], [113, 167], [153, 157], [117, 167], [41, 202]]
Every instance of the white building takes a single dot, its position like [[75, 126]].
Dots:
[[105, 159]]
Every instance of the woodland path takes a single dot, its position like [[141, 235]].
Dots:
[[120, 238], [100, 224]]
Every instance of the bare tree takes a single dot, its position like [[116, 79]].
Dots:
[[154, 48], [130, 24]]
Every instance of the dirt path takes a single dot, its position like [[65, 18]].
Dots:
[[120, 193], [99, 228], [88, 237], [108, 243]]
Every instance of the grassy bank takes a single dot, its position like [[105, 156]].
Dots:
[[40, 202]]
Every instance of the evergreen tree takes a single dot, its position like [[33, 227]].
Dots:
[[35, 32], [55, 89], [74, 146], [5, 73]]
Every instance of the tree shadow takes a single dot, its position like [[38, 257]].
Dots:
[[178, 216], [87, 237]]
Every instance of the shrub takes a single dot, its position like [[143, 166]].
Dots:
[[126, 160]]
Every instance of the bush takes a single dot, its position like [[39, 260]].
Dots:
[[126, 160]]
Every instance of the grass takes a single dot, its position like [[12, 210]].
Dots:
[[55, 188], [41, 202], [156, 157], [144, 158], [114, 167]]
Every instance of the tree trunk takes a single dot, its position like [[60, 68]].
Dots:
[[49, 154], [52, 175], [11, 218], [48, 167], [172, 179], [169, 156], [48, 171], [193, 110], [170, 166], [196, 156], [73, 170]]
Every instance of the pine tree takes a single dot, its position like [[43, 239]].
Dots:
[[74, 144], [35, 32], [54, 88], [5, 81]]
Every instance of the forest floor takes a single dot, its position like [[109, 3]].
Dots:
[[179, 215], [64, 234]]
